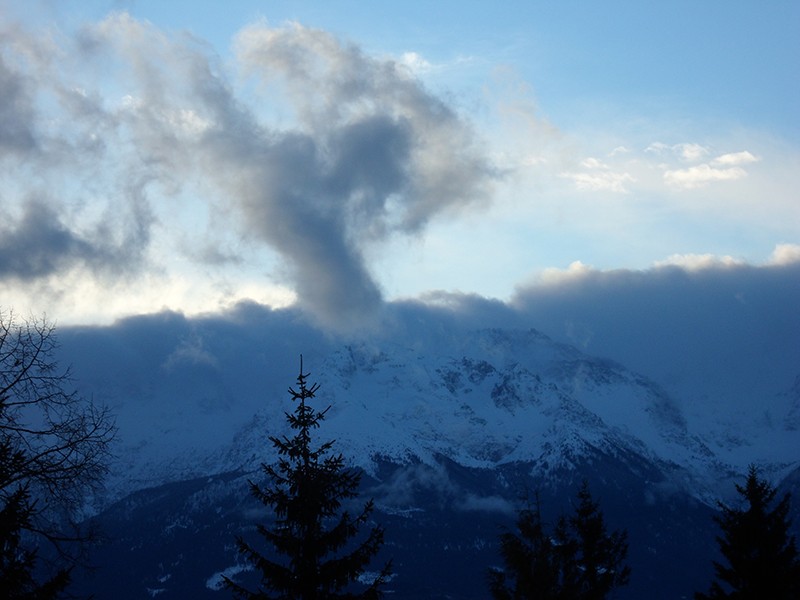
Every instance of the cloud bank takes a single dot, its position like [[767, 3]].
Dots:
[[703, 326]]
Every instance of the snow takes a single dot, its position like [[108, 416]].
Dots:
[[216, 581], [480, 398]]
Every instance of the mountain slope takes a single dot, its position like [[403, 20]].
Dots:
[[454, 427], [199, 397]]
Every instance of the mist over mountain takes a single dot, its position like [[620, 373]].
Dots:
[[659, 387], [718, 346]]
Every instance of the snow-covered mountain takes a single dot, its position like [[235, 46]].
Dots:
[[440, 417], [200, 400]]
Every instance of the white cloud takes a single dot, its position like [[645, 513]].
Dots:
[[701, 175], [687, 151], [575, 271], [735, 158], [601, 182], [725, 167], [599, 177], [691, 152], [782, 255], [696, 262], [416, 63], [785, 254], [593, 163]]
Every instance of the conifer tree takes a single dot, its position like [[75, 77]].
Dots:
[[761, 559], [578, 560], [532, 570], [322, 559], [17, 563], [594, 558]]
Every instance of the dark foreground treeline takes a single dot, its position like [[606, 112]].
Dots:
[[54, 445]]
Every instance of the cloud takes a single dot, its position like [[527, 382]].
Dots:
[[16, 115], [686, 151], [555, 276], [371, 155], [418, 483], [725, 167], [734, 158], [151, 123], [40, 244], [701, 175], [702, 326], [416, 62], [601, 182], [191, 351], [691, 152], [696, 262], [490, 504], [599, 176], [785, 254]]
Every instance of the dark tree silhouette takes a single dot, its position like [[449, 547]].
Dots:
[[18, 563], [578, 560], [595, 558], [761, 558], [322, 559], [53, 452], [531, 560]]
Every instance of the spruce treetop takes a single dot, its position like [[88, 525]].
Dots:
[[760, 557], [316, 550]]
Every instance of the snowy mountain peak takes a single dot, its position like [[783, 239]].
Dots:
[[191, 405]]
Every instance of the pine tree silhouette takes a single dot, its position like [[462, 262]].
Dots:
[[17, 563], [578, 560], [761, 559], [595, 557], [307, 486], [532, 565]]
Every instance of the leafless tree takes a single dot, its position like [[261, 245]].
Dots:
[[54, 444]]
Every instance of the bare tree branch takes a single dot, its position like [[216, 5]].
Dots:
[[54, 444]]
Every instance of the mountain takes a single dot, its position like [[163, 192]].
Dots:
[[454, 427]]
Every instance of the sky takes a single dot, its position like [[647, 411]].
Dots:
[[338, 156]]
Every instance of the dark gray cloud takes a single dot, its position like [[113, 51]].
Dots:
[[725, 329], [364, 154], [41, 244], [16, 113], [319, 205], [373, 154], [726, 336]]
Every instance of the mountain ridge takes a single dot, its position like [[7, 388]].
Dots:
[[191, 404]]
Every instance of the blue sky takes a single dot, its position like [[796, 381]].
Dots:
[[178, 155]]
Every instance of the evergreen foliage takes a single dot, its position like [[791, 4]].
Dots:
[[578, 560], [17, 563], [322, 558], [761, 559]]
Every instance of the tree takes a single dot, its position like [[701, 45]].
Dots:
[[532, 564], [595, 557], [53, 451], [17, 563], [761, 558], [578, 560], [307, 486]]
